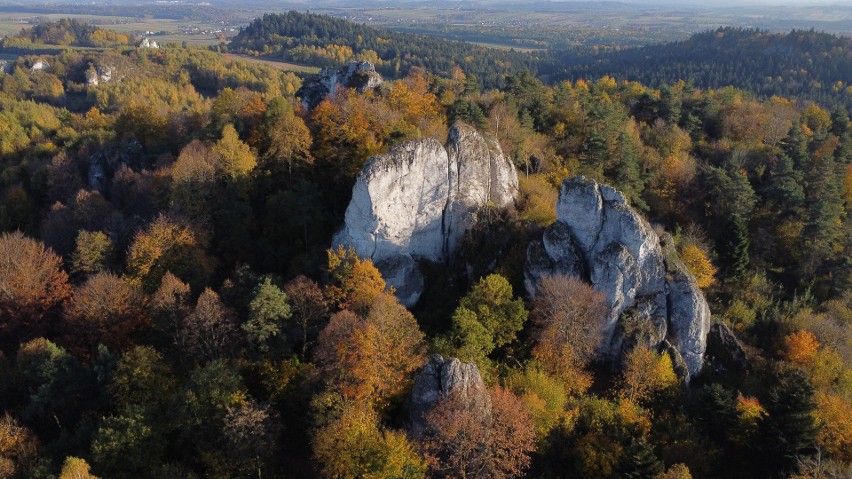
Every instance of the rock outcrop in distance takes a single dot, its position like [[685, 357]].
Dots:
[[441, 378], [361, 76], [653, 300], [416, 202]]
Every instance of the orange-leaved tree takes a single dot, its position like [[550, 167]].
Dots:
[[373, 357], [355, 282], [463, 441], [105, 310], [32, 286]]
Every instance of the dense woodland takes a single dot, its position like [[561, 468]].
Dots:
[[66, 32], [170, 305], [321, 40], [805, 65]]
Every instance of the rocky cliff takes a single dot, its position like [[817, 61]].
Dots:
[[417, 201], [440, 378], [361, 76], [652, 297]]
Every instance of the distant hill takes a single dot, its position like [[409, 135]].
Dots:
[[321, 40], [66, 32], [807, 65]]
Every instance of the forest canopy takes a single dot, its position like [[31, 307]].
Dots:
[[171, 304]]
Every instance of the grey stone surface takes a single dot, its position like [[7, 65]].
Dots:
[[441, 378], [361, 76], [416, 202], [724, 351], [598, 237]]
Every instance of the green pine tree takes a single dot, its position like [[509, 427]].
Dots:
[[735, 246]]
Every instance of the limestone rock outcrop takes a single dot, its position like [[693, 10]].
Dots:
[[100, 74], [416, 202], [725, 354], [652, 298], [39, 65], [106, 162], [441, 378], [148, 43], [361, 76]]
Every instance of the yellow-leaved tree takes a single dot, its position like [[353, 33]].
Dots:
[[698, 263], [355, 282], [235, 157]]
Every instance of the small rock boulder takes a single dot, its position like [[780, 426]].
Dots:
[[440, 378], [724, 353], [361, 76]]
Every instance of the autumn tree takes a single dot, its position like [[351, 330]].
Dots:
[[286, 137], [465, 442], [32, 286], [251, 431], [544, 396], [235, 158], [76, 468], [676, 471], [210, 331], [355, 446], [193, 176], [698, 263], [105, 310], [170, 304], [18, 447], [93, 253], [309, 308], [371, 357], [646, 373], [167, 245], [801, 347], [63, 178], [568, 316], [355, 282]]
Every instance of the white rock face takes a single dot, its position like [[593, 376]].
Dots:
[[96, 76], [417, 201], [148, 43], [39, 65], [599, 238], [479, 175], [359, 75]]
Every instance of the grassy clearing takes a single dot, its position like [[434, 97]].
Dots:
[[502, 46], [290, 67]]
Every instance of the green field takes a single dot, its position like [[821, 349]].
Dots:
[[176, 31], [290, 67]]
